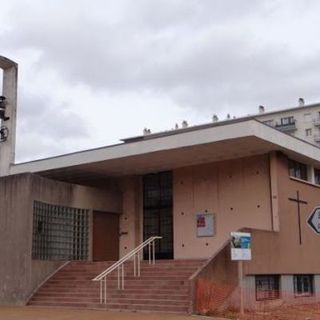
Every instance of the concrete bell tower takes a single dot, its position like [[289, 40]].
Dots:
[[8, 112]]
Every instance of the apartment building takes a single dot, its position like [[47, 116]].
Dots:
[[302, 121]]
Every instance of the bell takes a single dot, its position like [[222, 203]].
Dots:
[[2, 102], [3, 109]]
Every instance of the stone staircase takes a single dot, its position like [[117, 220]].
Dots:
[[163, 287]]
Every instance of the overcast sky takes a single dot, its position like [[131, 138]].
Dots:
[[92, 72]]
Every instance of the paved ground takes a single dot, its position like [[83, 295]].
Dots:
[[302, 312], [30, 313], [297, 312]]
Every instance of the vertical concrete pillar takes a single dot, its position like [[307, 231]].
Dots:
[[9, 91], [317, 286], [130, 219], [274, 191], [250, 292], [287, 288]]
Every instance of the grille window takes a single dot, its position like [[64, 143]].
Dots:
[[317, 176], [298, 170], [267, 287], [59, 233], [303, 285]]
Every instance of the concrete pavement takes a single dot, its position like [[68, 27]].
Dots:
[[36, 313]]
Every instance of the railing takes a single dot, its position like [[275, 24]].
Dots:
[[119, 265], [290, 126]]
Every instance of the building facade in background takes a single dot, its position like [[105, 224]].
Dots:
[[302, 122]]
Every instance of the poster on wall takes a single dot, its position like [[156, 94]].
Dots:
[[205, 225], [240, 246]]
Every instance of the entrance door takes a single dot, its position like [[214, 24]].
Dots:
[[105, 236], [157, 212]]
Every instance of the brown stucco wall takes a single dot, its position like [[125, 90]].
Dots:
[[131, 220], [236, 191], [281, 252], [19, 274], [215, 282]]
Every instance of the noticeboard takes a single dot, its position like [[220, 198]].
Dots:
[[205, 225], [240, 246]]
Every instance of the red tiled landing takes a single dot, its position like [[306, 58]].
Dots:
[[162, 287]]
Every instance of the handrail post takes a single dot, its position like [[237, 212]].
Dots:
[[122, 274], [135, 254], [101, 291], [118, 278], [105, 290]]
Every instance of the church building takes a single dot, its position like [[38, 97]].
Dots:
[[64, 220]]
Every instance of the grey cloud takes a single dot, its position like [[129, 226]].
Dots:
[[46, 127], [52, 118], [196, 52]]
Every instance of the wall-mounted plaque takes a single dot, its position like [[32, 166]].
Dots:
[[240, 246], [205, 225]]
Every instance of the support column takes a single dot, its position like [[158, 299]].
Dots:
[[274, 191], [9, 91]]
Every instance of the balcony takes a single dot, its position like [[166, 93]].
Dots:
[[287, 127], [316, 122]]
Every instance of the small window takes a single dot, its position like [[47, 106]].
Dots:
[[267, 287], [308, 132], [303, 285], [317, 176], [287, 121], [298, 170]]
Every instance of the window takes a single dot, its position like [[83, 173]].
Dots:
[[287, 121], [267, 287], [303, 285], [298, 170], [59, 233], [308, 132], [269, 123], [317, 176]]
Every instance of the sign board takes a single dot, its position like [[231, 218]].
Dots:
[[240, 246], [314, 220], [205, 225]]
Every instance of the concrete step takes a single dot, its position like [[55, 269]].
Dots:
[[94, 291], [118, 307], [161, 287], [122, 294]]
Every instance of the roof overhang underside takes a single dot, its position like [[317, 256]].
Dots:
[[235, 140]]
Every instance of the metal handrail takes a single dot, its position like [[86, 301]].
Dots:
[[119, 265]]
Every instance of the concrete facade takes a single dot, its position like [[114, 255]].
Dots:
[[20, 274], [236, 170], [9, 91], [305, 122]]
